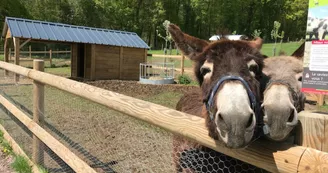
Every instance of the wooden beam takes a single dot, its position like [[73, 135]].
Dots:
[[121, 63], [38, 114], [8, 35], [313, 161], [167, 56], [312, 130], [74, 60], [58, 148], [93, 62], [269, 156], [23, 44], [50, 57], [30, 51], [17, 149], [182, 64], [6, 53], [17, 53], [321, 99]]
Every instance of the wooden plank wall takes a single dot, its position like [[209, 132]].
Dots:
[[74, 60], [87, 61], [312, 130], [107, 62], [132, 57]]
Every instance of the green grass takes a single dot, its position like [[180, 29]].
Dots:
[[60, 71], [288, 48], [20, 165], [321, 3]]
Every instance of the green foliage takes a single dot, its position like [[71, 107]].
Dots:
[[20, 165], [256, 33], [200, 18], [184, 79], [275, 35]]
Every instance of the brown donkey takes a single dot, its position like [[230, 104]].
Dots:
[[228, 74], [283, 98]]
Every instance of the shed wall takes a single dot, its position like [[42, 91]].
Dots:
[[107, 62], [132, 57]]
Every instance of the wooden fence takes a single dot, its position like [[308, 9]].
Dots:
[[30, 52], [270, 156], [181, 57]]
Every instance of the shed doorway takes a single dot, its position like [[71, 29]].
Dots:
[[81, 60]]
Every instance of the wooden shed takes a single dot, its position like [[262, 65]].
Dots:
[[95, 53]]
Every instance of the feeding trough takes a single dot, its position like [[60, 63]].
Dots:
[[156, 73]]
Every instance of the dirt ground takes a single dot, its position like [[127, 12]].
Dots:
[[5, 161]]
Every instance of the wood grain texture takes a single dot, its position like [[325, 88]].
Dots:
[[6, 53], [311, 130], [182, 64], [313, 161], [8, 34], [167, 56], [63, 152], [325, 140], [38, 114], [121, 62], [17, 149], [74, 60], [50, 57], [269, 156], [17, 50], [93, 62]]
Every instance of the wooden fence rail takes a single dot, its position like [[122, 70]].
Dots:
[[269, 156], [63, 152]]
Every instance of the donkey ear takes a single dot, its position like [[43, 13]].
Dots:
[[189, 45], [257, 43]]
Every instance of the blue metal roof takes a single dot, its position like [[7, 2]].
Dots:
[[40, 30]]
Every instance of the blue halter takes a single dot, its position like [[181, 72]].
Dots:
[[251, 96]]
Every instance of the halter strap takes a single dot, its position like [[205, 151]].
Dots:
[[210, 100], [258, 131]]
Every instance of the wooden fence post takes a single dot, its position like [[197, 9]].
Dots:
[[17, 53], [30, 51], [38, 114], [6, 54], [50, 58], [182, 64], [321, 99]]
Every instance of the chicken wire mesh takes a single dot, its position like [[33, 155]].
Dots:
[[107, 140]]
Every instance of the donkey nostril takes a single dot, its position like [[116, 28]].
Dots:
[[250, 121], [220, 117], [291, 116]]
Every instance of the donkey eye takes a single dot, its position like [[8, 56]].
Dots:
[[253, 68], [204, 71]]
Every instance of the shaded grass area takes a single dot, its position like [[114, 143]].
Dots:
[[60, 71]]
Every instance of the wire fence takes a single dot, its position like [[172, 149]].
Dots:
[[105, 139]]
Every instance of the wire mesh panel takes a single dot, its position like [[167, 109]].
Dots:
[[20, 94]]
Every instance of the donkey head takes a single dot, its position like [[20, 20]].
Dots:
[[226, 71], [283, 98]]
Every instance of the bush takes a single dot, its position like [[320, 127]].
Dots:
[[184, 79]]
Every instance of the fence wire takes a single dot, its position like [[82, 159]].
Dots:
[[107, 140]]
